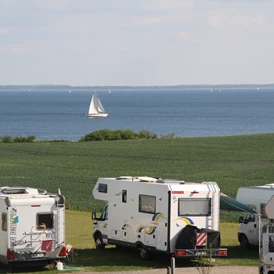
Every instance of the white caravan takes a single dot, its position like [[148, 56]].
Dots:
[[256, 197], [32, 226], [152, 214]]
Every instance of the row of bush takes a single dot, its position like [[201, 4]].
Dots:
[[99, 135], [18, 139], [108, 135]]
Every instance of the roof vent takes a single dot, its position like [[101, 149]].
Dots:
[[171, 181], [147, 179], [124, 178]]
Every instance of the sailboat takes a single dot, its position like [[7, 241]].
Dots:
[[96, 108]]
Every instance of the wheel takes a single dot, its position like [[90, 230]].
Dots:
[[244, 242], [99, 242], [144, 254]]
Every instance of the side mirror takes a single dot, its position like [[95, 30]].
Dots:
[[93, 215], [241, 220]]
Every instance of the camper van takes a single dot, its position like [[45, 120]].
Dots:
[[256, 197], [159, 215], [32, 226]]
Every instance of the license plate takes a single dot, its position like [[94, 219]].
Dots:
[[200, 253], [38, 255]]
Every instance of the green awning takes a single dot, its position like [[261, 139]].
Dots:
[[230, 204]]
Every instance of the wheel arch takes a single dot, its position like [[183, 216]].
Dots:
[[96, 234]]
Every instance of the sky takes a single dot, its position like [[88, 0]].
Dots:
[[136, 43]]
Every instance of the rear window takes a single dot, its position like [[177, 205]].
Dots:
[[194, 207], [44, 220]]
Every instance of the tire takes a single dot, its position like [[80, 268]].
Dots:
[[99, 242], [143, 253], [244, 242]]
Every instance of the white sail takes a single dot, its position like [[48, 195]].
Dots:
[[96, 108]]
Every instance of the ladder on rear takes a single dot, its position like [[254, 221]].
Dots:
[[60, 233]]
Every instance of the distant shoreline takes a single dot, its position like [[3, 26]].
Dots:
[[184, 87]]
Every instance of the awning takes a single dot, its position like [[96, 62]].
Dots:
[[230, 204]]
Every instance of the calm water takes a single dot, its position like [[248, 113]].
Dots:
[[59, 114]]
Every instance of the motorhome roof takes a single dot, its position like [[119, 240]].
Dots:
[[150, 180], [267, 186], [21, 190]]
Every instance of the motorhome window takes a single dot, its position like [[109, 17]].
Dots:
[[4, 221], [147, 204], [194, 207], [44, 220], [124, 196], [263, 213], [103, 188]]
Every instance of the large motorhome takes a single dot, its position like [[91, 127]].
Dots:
[[256, 197], [152, 214], [32, 226]]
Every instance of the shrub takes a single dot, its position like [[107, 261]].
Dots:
[[93, 136], [7, 139], [20, 139], [169, 136], [128, 134], [115, 135], [58, 141], [31, 139], [145, 134]]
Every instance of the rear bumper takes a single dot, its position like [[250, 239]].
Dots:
[[35, 258], [194, 253]]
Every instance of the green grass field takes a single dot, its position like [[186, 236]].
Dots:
[[74, 167]]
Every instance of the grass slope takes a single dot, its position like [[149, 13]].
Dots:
[[74, 167]]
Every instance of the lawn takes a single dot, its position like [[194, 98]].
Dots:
[[113, 259]]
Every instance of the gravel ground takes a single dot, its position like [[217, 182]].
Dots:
[[191, 270]]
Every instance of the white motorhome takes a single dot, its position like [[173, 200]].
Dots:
[[32, 226], [256, 197], [152, 214]]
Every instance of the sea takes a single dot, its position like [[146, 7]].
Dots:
[[58, 112]]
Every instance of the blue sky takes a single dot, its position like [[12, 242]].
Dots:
[[143, 42]]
